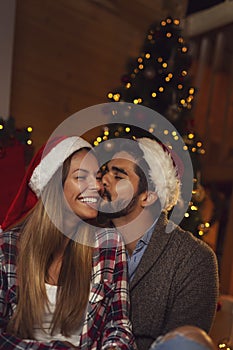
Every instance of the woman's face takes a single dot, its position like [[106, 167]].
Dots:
[[81, 187]]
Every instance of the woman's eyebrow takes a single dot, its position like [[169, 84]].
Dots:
[[80, 169]]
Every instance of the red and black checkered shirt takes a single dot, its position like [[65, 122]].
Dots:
[[106, 322]]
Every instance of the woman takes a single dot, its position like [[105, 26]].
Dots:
[[62, 281]]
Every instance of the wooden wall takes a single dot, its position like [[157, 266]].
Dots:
[[213, 73], [69, 53]]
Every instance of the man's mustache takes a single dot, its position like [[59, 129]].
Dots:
[[107, 195]]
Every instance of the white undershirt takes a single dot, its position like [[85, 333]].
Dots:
[[44, 334]]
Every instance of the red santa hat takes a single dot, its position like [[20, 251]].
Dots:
[[40, 170]]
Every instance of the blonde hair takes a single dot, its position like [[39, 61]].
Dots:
[[40, 240]]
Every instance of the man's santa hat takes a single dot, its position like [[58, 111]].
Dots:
[[40, 170], [165, 171]]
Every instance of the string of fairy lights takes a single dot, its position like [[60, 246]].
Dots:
[[152, 75], [9, 133], [164, 67]]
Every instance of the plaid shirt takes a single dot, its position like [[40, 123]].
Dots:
[[106, 323]]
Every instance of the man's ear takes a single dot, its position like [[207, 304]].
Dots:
[[148, 198]]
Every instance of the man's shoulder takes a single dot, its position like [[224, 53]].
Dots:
[[189, 242], [183, 240]]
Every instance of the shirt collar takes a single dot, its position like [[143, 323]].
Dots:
[[147, 235]]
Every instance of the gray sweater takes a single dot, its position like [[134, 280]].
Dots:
[[176, 283]]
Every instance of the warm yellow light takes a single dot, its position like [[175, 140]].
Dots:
[[135, 101], [149, 37], [29, 129], [182, 101], [140, 60], [199, 144], [170, 75], [202, 151], [164, 65], [163, 23], [1, 126], [181, 40], [176, 138], [116, 97], [135, 70], [161, 89], [127, 129], [167, 79], [166, 132], [184, 49], [140, 66], [128, 85], [173, 133], [106, 132], [201, 233], [96, 143], [191, 136], [185, 148], [168, 35], [159, 59], [194, 149], [194, 207], [99, 139], [186, 215], [105, 137], [191, 91], [153, 94], [151, 130], [169, 20], [176, 22], [207, 224], [29, 142], [184, 73], [147, 55], [180, 86], [139, 100], [110, 95]]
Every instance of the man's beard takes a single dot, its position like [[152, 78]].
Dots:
[[116, 209]]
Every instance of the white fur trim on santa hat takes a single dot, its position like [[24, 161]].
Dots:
[[51, 162], [162, 172]]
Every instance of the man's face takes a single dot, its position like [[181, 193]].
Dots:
[[120, 184]]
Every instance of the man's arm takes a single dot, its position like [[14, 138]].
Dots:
[[195, 291]]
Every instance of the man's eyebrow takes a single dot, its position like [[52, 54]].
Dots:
[[119, 170]]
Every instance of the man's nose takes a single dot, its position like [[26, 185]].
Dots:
[[105, 179]]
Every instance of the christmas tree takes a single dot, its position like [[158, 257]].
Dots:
[[159, 78]]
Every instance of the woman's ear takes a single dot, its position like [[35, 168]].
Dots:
[[148, 198]]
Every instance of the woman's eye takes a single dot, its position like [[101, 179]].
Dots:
[[80, 177]]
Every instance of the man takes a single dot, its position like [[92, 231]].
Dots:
[[173, 275]]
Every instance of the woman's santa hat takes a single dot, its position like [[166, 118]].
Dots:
[[41, 169], [165, 171]]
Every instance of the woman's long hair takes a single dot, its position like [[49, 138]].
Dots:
[[40, 241]]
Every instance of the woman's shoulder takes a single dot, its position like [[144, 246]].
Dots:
[[8, 242]]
